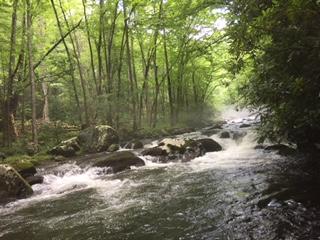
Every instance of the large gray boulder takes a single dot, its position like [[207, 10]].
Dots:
[[12, 185], [97, 138], [120, 161]]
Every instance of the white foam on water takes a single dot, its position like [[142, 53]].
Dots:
[[69, 178]]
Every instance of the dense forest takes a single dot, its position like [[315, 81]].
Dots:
[[159, 119], [148, 64], [129, 64]]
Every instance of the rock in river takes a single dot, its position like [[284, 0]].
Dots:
[[12, 185], [225, 134], [66, 148], [120, 161], [134, 144], [97, 138], [155, 151], [281, 149], [175, 149], [209, 145]]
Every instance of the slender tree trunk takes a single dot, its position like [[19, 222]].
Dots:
[[144, 89], [31, 76], [44, 84], [99, 47], [90, 45], [70, 61], [169, 85], [154, 116], [76, 51], [45, 111], [119, 85], [108, 58], [9, 131], [130, 70]]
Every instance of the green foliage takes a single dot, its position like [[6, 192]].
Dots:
[[276, 44]]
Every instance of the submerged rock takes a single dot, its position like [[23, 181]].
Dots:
[[225, 134], [97, 138], [245, 125], [237, 136], [281, 149], [120, 161], [12, 185]]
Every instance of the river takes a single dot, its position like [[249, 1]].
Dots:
[[238, 193]]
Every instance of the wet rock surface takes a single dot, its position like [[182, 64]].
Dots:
[[97, 138], [281, 149], [12, 185], [120, 161]]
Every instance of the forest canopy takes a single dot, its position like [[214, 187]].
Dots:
[[129, 64], [136, 64]]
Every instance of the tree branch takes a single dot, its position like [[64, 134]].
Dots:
[[56, 44]]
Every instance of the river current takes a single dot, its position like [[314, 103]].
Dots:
[[238, 193]]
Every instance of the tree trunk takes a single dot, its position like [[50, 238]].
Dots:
[[76, 51], [45, 111], [130, 71], [169, 86], [31, 76], [9, 131], [70, 62], [90, 45]]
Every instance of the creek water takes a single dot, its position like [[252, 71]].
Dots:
[[238, 193]]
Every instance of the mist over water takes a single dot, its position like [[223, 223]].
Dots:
[[232, 194]]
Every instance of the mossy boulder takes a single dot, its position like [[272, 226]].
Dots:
[[12, 185], [171, 149], [66, 148], [173, 145], [113, 148], [97, 138], [120, 161]]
